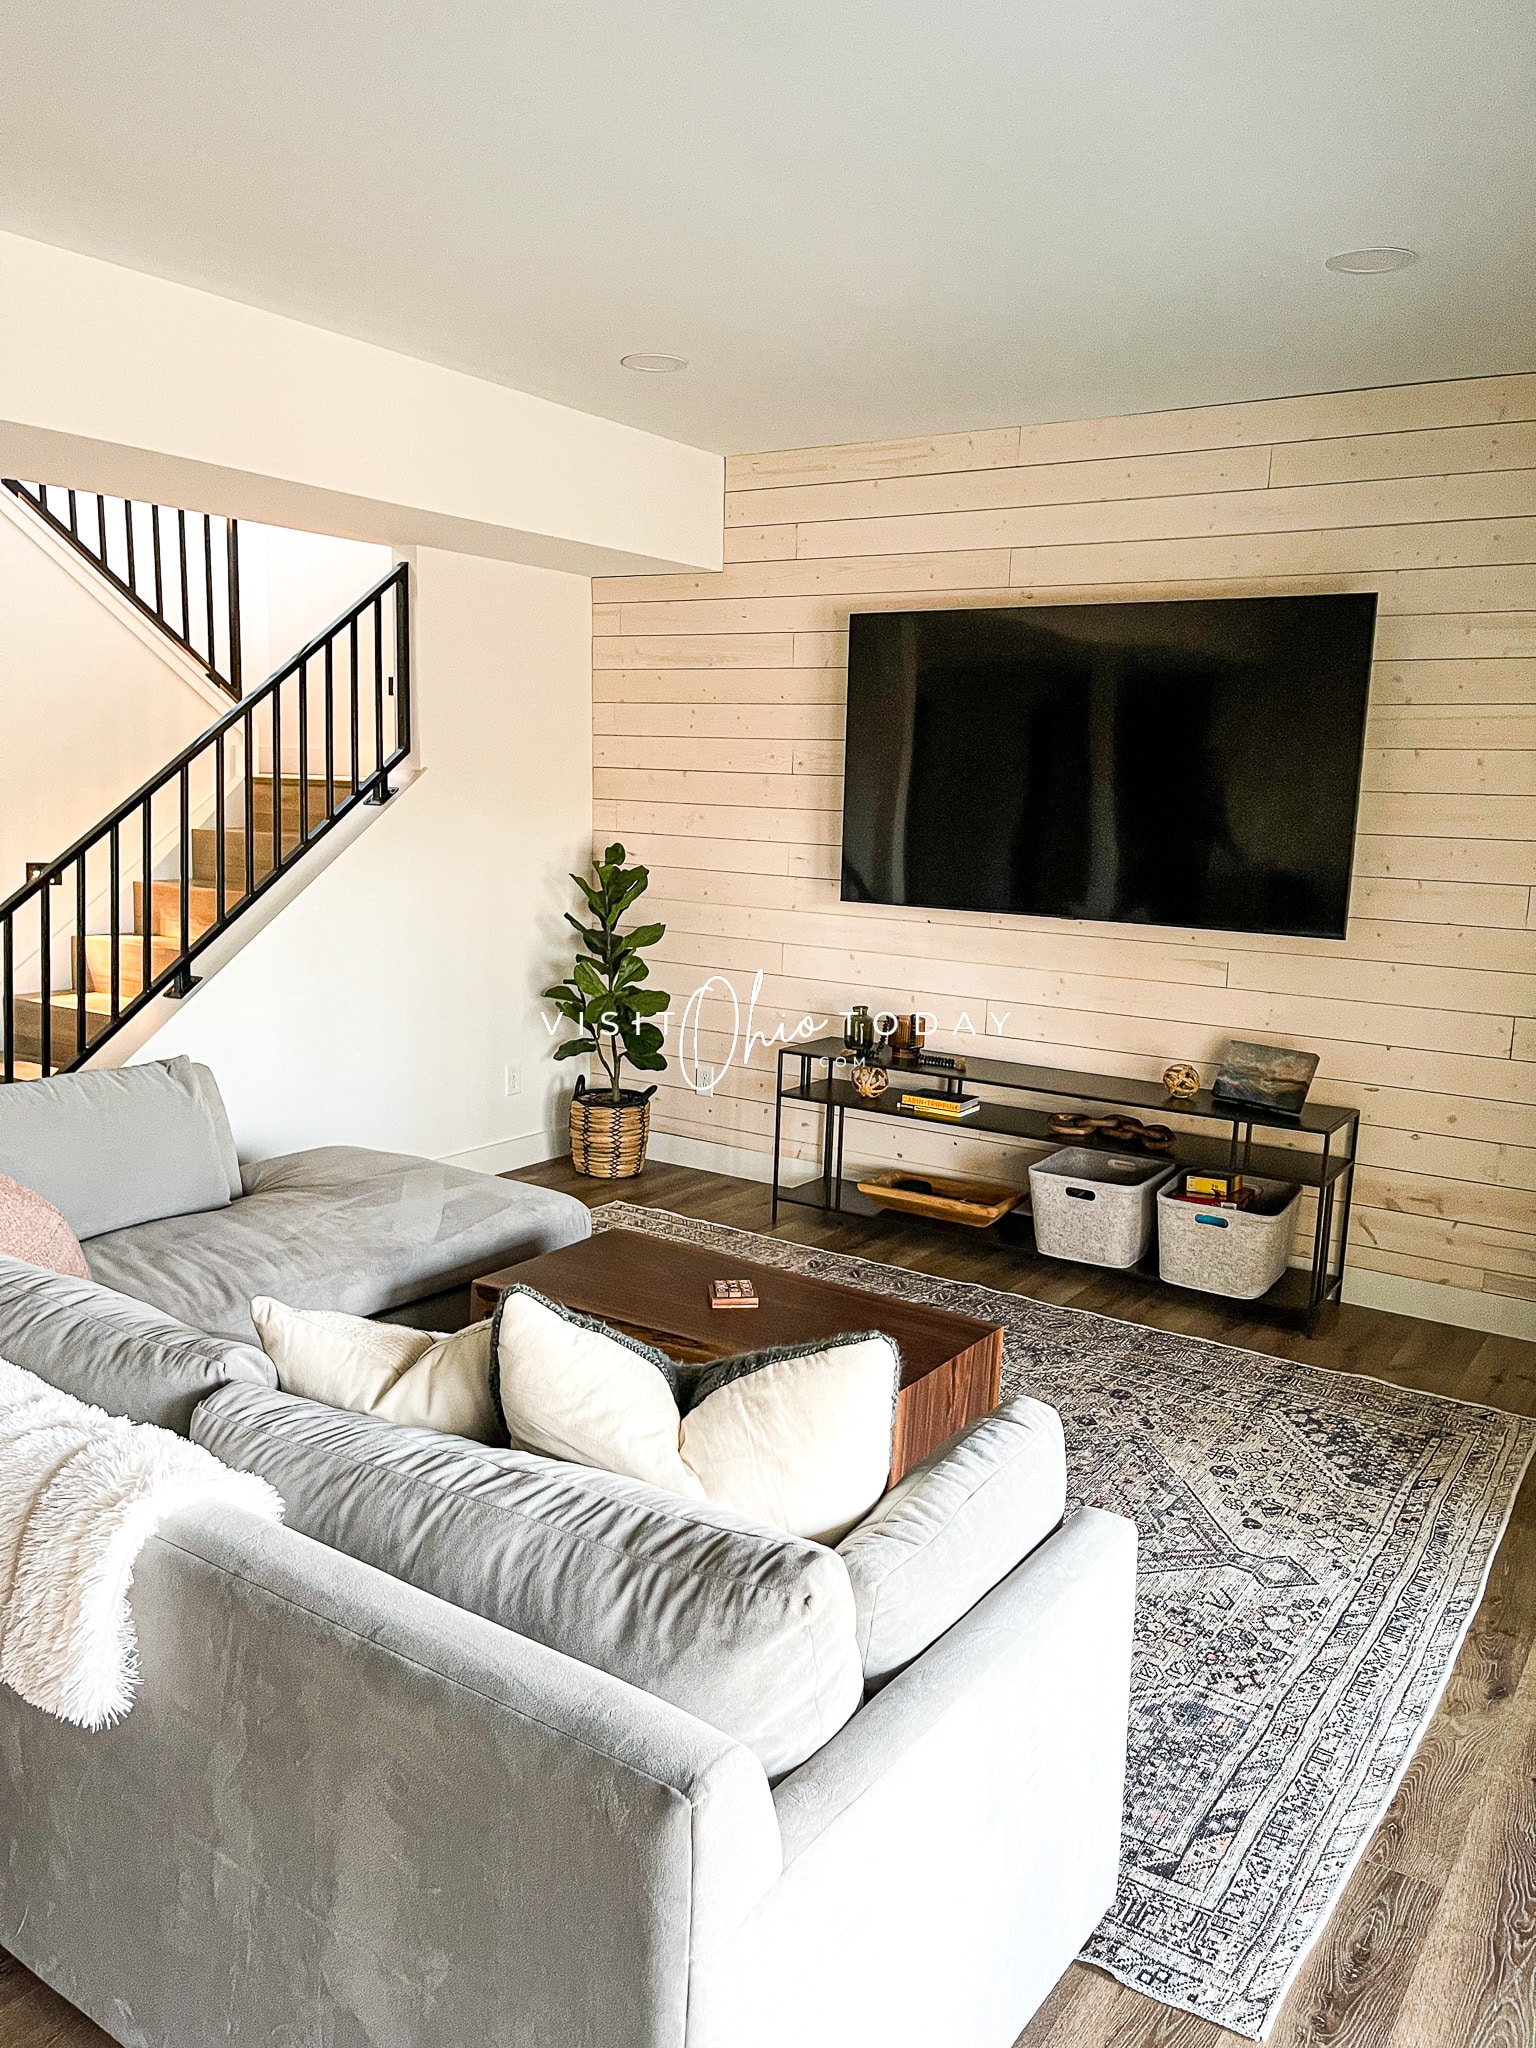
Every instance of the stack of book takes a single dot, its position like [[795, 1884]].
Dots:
[[943, 1109]]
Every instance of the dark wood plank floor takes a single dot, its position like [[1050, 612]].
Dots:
[[1434, 1942]]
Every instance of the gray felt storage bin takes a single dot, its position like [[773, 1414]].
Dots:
[[1237, 1252], [1096, 1207]]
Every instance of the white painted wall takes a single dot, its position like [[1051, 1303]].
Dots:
[[382, 1006], [141, 388], [292, 585], [91, 701]]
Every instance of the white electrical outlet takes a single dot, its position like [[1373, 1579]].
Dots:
[[704, 1079], [514, 1080]]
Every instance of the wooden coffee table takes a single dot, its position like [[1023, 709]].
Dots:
[[951, 1366]]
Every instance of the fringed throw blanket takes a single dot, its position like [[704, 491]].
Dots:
[[81, 1493]]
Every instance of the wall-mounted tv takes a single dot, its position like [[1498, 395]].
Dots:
[[1189, 763]]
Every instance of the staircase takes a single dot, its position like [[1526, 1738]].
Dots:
[[179, 569], [124, 915]]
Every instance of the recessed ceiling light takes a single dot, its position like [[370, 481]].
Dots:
[[1372, 262], [656, 364]]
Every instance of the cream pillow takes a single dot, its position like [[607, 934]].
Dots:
[[800, 1437], [406, 1376], [797, 1438], [571, 1388]]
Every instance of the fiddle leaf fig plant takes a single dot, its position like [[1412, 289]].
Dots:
[[605, 997]]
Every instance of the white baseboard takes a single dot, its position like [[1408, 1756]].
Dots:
[[505, 1155], [1466, 1308], [1501, 1315], [737, 1160]]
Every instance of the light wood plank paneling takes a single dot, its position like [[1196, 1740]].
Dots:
[[1437, 451], [718, 731]]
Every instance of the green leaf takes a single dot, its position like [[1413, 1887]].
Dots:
[[573, 1046], [586, 978], [647, 1062], [614, 857], [644, 935], [648, 1002]]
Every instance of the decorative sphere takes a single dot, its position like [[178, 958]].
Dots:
[[1182, 1079], [871, 1081]]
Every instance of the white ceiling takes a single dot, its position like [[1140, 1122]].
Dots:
[[855, 218]]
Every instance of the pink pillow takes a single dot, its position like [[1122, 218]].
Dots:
[[33, 1231]]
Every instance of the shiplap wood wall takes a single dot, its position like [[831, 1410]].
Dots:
[[718, 748]]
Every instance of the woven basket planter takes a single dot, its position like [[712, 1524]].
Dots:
[[609, 1143]]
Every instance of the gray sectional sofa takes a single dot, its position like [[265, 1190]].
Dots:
[[483, 1748]]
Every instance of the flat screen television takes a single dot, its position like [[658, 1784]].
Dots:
[[1188, 763]]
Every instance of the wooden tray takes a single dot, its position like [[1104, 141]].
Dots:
[[973, 1202]]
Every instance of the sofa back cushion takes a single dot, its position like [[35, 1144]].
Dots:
[[747, 1629], [955, 1526], [117, 1353], [120, 1146]]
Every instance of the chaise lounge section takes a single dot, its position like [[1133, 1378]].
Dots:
[[142, 1163]]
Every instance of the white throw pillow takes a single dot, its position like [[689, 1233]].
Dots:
[[800, 1437], [406, 1376], [571, 1388], [797, 1438]]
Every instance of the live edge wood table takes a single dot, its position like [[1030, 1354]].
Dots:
[[951, 1366]]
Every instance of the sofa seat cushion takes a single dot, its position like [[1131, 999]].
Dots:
[[115, 1147], [114, 1352], [954, 1527], [748, 1630], [336, 1228]]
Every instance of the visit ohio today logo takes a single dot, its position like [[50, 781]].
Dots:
[[716, 1009]]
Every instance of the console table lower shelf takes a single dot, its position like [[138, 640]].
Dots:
[[1323, 1161]]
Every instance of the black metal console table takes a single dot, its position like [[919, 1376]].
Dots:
[[1326, 1162]]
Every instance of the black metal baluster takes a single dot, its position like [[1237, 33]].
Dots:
[[330, 729], [186, 605], [250, 806], [381, 788], [147, 950], [184, 797], [402, 663], [45, 955], [356, 759], [213, 651], [277, 778], [232, 544], [101, 529], [128, 544], [220, 852], [82, 973], [154, 529], [303, 753], [114, 928], [8, 997], [74, 517]]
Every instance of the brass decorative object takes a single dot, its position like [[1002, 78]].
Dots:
[[870, 1080], [1182, 1080]]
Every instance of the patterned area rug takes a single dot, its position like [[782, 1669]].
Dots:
[[1313, 1548]]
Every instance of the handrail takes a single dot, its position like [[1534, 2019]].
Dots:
[[172, 605], [363, 659]]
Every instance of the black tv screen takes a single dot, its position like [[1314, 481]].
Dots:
[[1190, 763]]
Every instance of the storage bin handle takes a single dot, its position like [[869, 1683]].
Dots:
[[1082, 1194], [1219, 1221]]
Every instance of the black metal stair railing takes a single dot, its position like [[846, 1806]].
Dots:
[[130, 907], [180, 569]]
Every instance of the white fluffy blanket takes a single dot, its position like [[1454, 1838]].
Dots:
[[81, 1493]]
